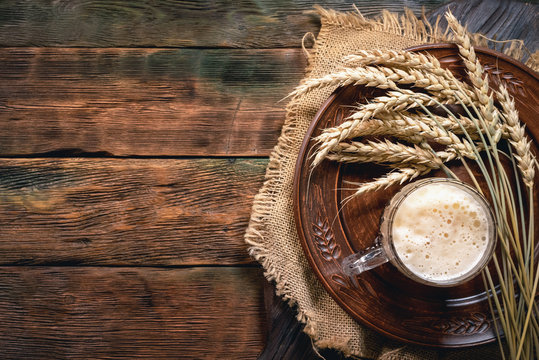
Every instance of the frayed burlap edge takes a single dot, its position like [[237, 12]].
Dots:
[[406, 25], [410, 26]]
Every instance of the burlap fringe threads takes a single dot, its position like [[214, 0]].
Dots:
[[410, 26]]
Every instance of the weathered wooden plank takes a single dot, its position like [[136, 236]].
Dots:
[[209, 23], [286, 339], [144, 101], [500, 20], [126, 211], [131, 313]]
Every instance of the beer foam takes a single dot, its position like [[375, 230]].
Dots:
[[440, 232]]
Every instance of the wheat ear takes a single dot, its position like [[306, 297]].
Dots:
[[475, 70], [446, 123], [406, 59], [387, 78], [396, 101], [397, 129], [395, 120], [427, 80], [410, 124], [393, 102], [384, 152], [399, 176], [350, 76], [516, 134]]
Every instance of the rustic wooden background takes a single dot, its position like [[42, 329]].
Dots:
[[133, 137]]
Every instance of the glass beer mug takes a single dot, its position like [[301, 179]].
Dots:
[[439, 232]]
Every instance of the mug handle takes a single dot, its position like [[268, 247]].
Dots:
[[365, 260]]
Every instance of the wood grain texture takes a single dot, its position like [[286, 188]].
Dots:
[[151, 102], [144, 101], [131, 313], [286, 339], [126, 211], [497, 19], [207, 23]]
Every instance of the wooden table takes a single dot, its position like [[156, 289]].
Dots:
[[133, 137]]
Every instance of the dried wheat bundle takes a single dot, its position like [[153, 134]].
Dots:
[[414, 84]]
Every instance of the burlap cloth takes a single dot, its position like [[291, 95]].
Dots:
[[272, 232]]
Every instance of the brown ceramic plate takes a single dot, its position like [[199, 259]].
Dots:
[[384, 299]]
